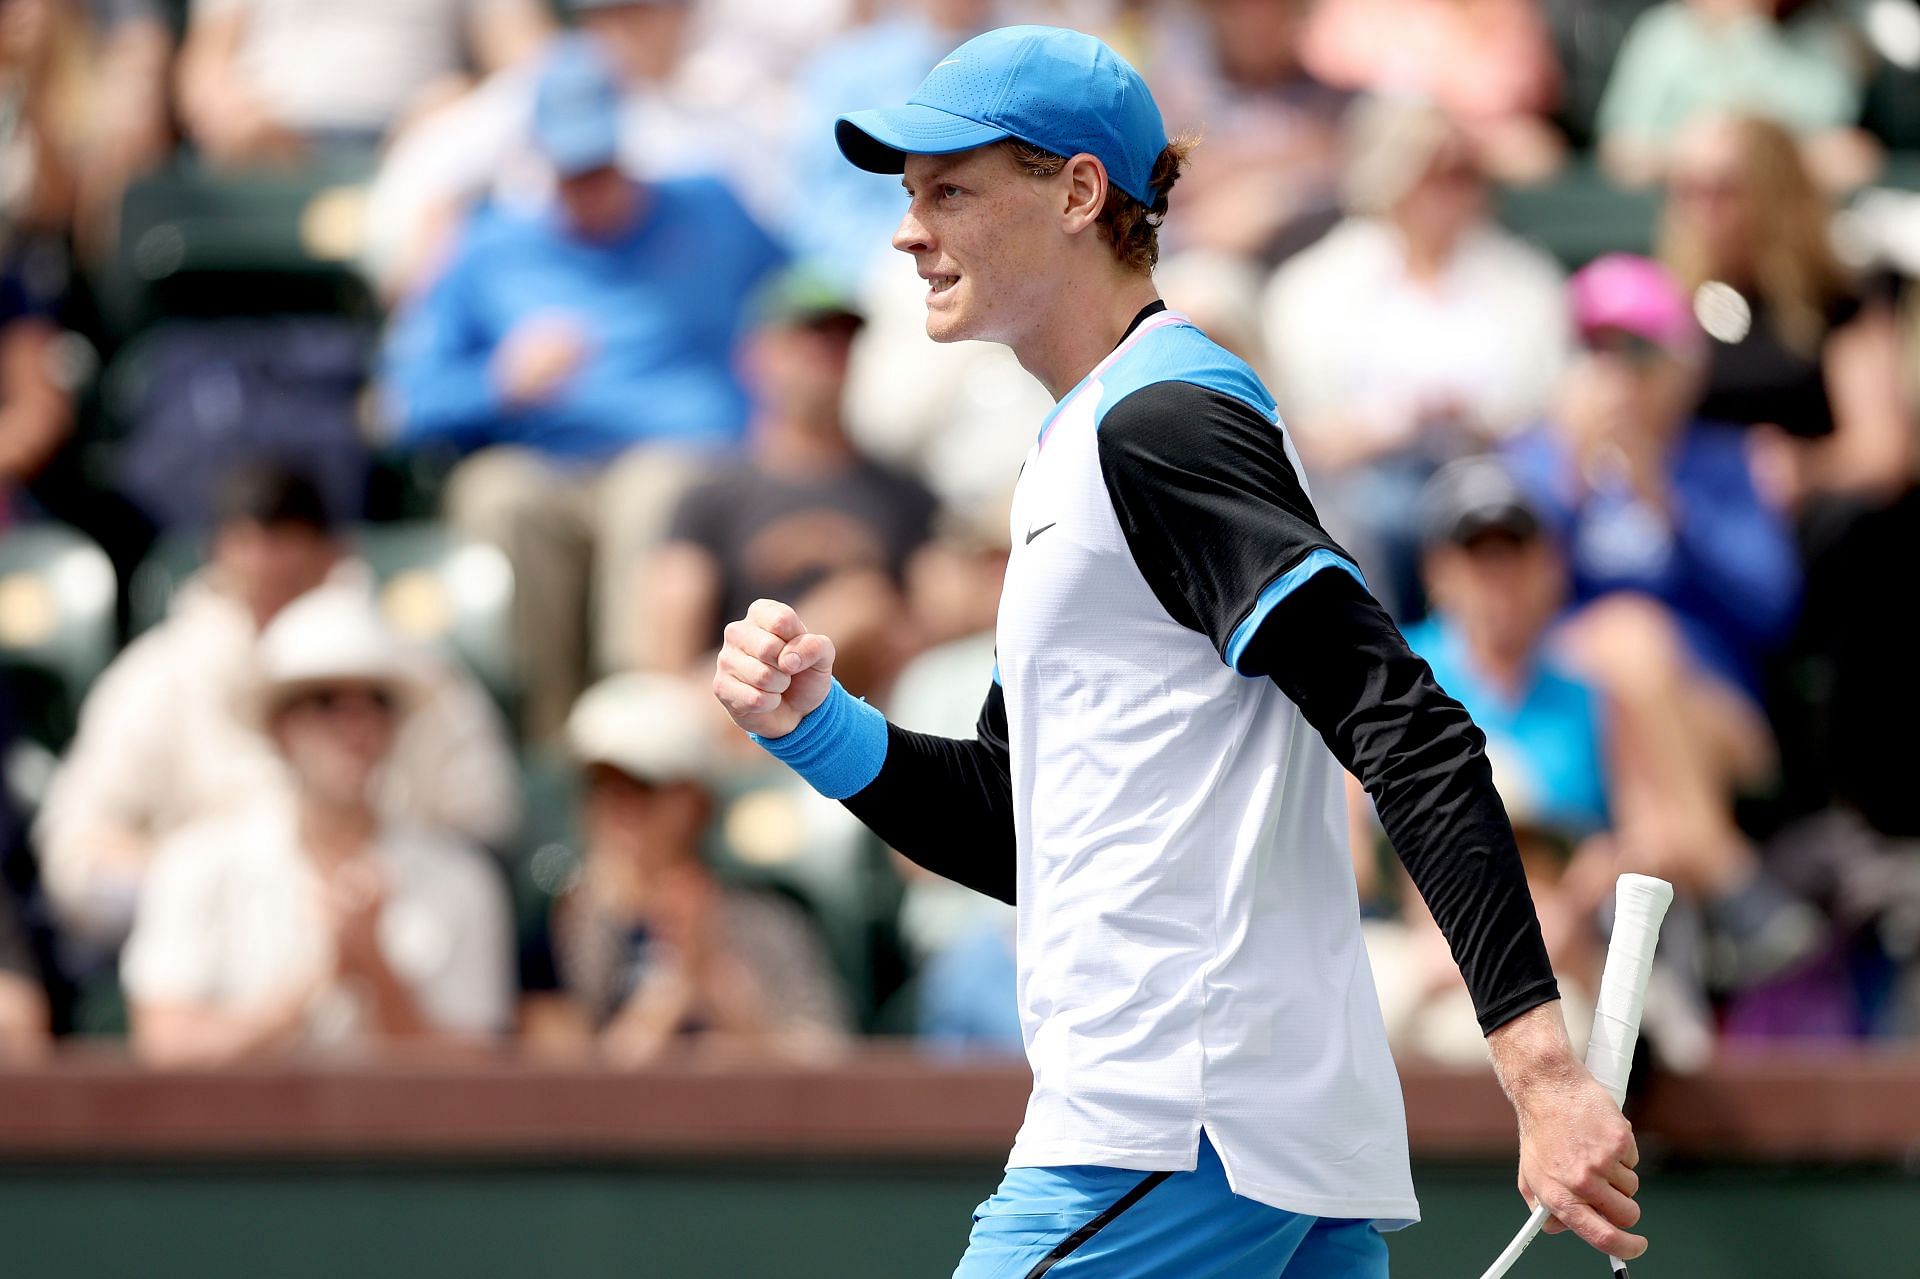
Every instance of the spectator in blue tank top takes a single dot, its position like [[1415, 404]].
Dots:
[[1497, 583], [584, 355]]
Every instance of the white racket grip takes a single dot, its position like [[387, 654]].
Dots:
[[1640, 904]]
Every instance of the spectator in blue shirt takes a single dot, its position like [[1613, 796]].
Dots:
[[584, 354], [1682, 580], [1497, 584], [1650, 502]]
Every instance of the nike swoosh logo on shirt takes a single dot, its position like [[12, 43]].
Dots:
[[1036, 532]]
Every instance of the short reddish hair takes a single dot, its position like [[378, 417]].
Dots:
[[1132, 228]]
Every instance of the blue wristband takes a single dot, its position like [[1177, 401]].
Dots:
[[838, 747]]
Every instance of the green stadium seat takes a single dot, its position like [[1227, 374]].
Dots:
[[174, 558], [1580, 214], [196, 242], [439, 588], [1587, 35], [57, 593]]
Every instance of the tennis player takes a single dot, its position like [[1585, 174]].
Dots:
[[1186, 661]]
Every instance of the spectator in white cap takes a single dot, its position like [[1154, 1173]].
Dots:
[[650, 949], [310, 920]]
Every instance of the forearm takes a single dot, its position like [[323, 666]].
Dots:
[[947, 805], [396, 1013], [39, 412], [449, 400], [25, 1025], [175, 1036], [1335, 653], [1532, 1050]]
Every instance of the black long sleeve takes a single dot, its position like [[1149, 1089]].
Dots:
[[1331, 648], [1217, 518], [947, 803]]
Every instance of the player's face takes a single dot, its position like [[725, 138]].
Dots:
[[985, 236]]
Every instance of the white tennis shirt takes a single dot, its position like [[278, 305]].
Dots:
[[1189, 939]]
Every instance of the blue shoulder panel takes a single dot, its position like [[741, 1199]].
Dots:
[[1182, 353]]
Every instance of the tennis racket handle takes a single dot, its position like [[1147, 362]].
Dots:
[[1640, 904]]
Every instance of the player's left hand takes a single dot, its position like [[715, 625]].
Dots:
[[1577, 1151], [1577, 1156]]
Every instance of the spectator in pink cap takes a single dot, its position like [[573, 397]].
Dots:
[[1682, 580]]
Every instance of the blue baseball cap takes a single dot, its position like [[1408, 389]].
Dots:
[[576, 108], [1060, 90]]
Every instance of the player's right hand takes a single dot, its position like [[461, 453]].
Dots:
[[772, 672]]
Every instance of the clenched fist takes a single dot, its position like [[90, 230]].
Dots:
[[772, 671]]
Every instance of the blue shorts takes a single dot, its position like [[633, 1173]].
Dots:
[[1087, 1222]]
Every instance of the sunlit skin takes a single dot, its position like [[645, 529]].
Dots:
[[1019, 260], [602, 204], [268, 566], [335, 742], [1712, 193]]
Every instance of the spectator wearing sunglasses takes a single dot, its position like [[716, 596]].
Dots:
[[650, 951], [1683, 579], [161, 745], [311, 920]]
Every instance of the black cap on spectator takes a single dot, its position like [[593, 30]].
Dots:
[[271, 493], [1471, 497]]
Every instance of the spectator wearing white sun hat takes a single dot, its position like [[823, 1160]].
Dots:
[[310, 919], [650, 950]]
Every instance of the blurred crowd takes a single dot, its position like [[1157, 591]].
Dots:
[[397, 397]]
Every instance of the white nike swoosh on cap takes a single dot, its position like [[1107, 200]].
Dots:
[[949, 62]]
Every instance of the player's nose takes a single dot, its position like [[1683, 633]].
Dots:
[[910, 236]]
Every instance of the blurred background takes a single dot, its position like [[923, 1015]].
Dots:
[[398, 396]]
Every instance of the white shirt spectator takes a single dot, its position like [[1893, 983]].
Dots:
[[1352, 337], [162, 744], [233, 916], [350, 65]]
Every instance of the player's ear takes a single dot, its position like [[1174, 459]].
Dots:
[[1086, 193]]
